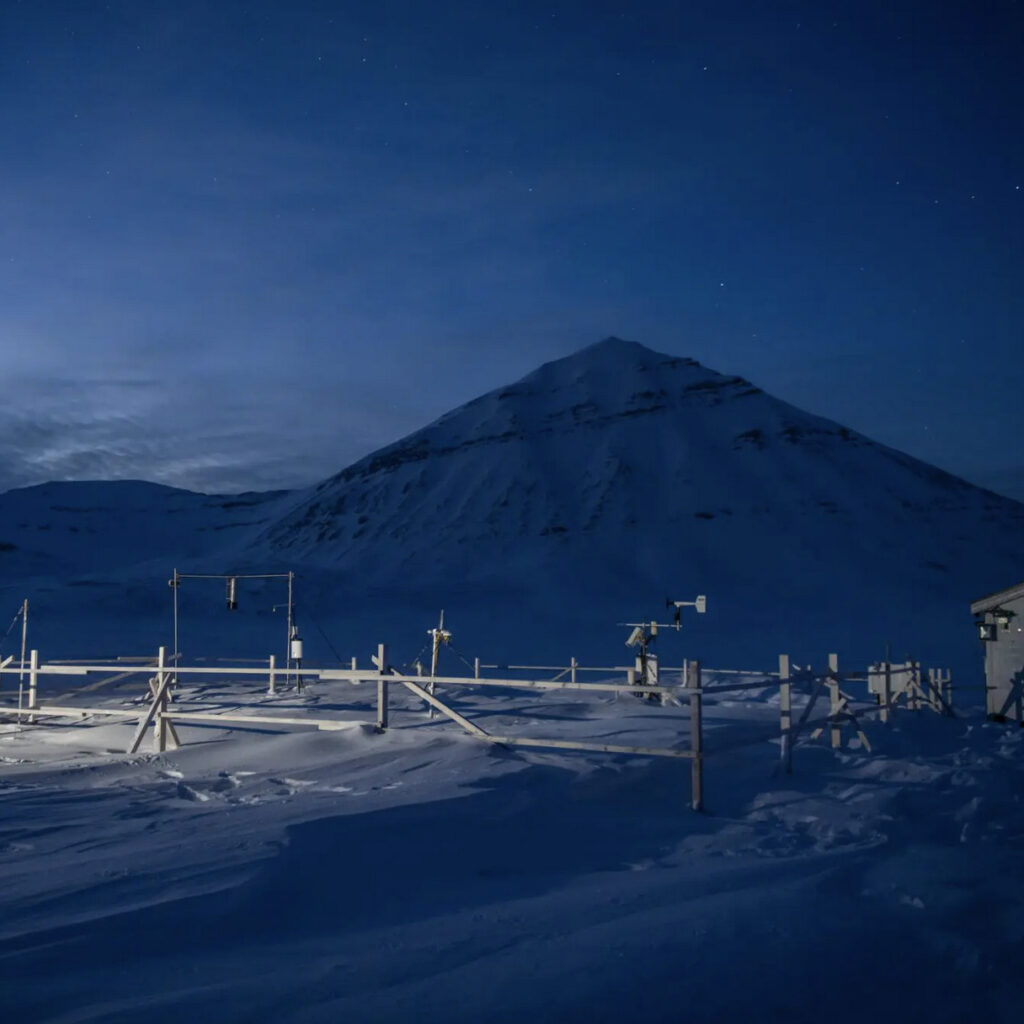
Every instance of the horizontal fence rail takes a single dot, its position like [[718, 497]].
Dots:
[[888, 686]]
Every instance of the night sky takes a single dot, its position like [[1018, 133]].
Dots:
[[244, 244]]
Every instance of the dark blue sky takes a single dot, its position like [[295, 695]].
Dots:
[[244, 244]]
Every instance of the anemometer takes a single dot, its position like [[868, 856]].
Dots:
[[644, 634]]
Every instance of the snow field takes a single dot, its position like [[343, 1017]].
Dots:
[[420, 874]]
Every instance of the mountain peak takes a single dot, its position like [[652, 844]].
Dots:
[[613, 343], [612, 363], [614, 350]]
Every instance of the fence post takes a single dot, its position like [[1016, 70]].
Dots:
[[476, 667], [696, 737], [887, 691], [381, 661], [785, 714], [33, 683], [272, 687], [833, 701], [572, 669], [160, 725], [915, 686], [933, 690]]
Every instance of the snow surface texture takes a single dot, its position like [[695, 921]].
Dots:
[[540, 515], [422, 875]]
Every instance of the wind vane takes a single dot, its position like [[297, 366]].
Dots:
[[645, 633]]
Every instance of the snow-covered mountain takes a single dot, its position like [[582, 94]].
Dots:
[[93, 557], [618, 475], [584, 494], [62, 530], [1008, 482]]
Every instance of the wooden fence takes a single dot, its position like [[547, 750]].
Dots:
[[887, 687]]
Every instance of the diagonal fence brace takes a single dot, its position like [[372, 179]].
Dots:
[[434, 702]]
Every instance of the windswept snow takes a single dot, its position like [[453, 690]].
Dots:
[[421, 875]]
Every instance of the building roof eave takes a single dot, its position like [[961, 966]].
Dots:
[[987, 604]]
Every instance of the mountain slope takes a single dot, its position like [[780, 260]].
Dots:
[[640, 459], [541, 514], [601, 482], [66, 529]]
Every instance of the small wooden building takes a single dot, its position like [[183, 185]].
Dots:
[[1000, 622]]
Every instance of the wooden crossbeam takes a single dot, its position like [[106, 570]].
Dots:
[[604, 748], [440, 705], [808, 708], [68, 711], [325, 724]]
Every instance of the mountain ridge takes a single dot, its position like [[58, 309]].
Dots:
[[585, 492], [609, 383]]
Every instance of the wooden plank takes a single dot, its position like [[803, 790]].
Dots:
[[886, 690], [808, 708], [937, 685], [229, 717], [785, 715], [435, 702], [357, 676], [602, 748], [710, 691], [736, 672], [835, 705], [62, 670], [54, 669], [382, 687], [547, 684], [33, 681], [696, 737], [162, 687], [107, 680], [610, 669], [61, 711]]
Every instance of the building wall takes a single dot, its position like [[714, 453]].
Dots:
[[1004, 664]]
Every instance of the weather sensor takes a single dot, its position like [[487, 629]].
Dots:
[[701, 604]]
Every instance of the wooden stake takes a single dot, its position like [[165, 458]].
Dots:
[[785, 714], [164, 681], [33, 682], [381, 661], [696, 737], [887, 691], [834, 700]]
